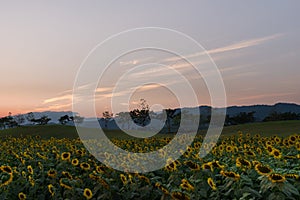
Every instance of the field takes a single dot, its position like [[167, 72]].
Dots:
[[253, 161]]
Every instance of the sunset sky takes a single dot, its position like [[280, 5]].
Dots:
[[255, 45]]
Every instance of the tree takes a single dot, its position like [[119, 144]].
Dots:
[[42, 121], [242, 118], [140, 115], [275, 116], [64, 119], [30, 117], [8, 122], [107, 116], [170, 115]]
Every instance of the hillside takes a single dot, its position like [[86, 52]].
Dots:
[[59, 131]]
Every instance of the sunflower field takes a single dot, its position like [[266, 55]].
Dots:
[[240, 166]]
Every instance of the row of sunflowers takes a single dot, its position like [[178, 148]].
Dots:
[[241, 166]]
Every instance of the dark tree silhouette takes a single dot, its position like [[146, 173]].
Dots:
[[107, 116], [64, 119], [140, 115], [30, 117], [170, 116]]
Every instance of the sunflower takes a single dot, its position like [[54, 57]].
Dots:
[[241, 162], [208, 166], [229, 149], [6, 178], [232, 175], [63, 183], [67, 175], [292, 176], [269, 149], [179, 196], [144, 178], [75, 162], [22, 196], [221, 148], [240, 140], [163, 189], [216, 164], [31, 180], [277, 140], [263, 169], [123, 179], [258, 150], [87, 193], [30, 170], [51, 189], [65, 156], [192, 165], [79, 152], [6, 169], [52, 173], [85, 166], [171, 167], [211, 183], [276, 178], [186, 185], [100, 169], [250, 153], [276, 153], [292, 139]]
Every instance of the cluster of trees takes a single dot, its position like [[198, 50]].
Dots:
[[241, 118], [40, 121], [275, 116], [17, 120], [66, 118], [8, 122]]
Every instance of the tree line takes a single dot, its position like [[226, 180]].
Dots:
[[17, 120]]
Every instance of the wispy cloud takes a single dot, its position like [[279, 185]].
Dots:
[[232, 47], [59, 98]]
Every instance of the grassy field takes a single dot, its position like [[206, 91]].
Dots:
[[281, 128]]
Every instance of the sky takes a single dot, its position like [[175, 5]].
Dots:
[[254, 44]]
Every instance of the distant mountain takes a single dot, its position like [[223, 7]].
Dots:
[[262, 111]]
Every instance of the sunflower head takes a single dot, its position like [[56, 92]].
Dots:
[[186, 185], [87, 193], [192, 165], [30, 170], [67, 175], [85, 166], [75, 162], [292, 176], [276, 178], [52, 173], [51, 189], [179, 196], [65, 156], [22, 196], [6, 169], [211, 183], [276, 153], [123, 179], [263, 169]]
